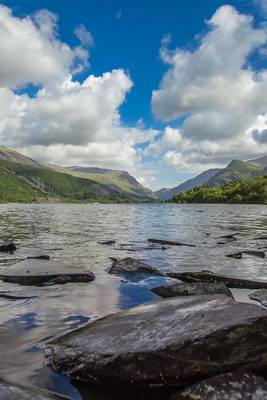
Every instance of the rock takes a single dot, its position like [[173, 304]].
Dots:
[[170, 243], [108, 242], [15, 297], [171, 341], [41, 257], [10, 391], [256, 253], [231, 236], [235, 255], [189, 289], [42, 272], [209, 276], [131, 266], [230, 386], [8, 246], [260, 295]]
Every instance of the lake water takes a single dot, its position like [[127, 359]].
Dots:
[[70, 233]]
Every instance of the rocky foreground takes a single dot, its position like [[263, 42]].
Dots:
[[195, 341]]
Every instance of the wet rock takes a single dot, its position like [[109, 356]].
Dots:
[[10, 391], [131, 266], [43, 272], [235, 255], [190, 289], [170, 242], [256, 253], [231, 236], [209, 276], [8, 246], [229, 386], [171, 341], [260, 295], [41, 257], [15, 297], [108, 242]]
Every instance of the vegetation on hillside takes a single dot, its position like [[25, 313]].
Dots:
[[250, 191]]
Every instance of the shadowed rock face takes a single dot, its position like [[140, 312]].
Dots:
[[43, 272], [209, 276], [172, 341], [189, 289], [230, 386], [131, 266], [8, 246], [9, 391]]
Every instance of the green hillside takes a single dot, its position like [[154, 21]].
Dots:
[[250, 191], [26, 183], [236, 171]]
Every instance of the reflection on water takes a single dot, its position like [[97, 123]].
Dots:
[[71, 233]]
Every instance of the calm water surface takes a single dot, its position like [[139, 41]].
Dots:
[[70, 233]]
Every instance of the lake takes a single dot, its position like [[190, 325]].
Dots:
[[70, 233]]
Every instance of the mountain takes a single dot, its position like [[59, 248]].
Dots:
[[260, 161], [236, 170], [25, 180], [117, 180], [199, 180], [251, 191]]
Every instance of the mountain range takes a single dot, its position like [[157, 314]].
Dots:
[[236, 170]]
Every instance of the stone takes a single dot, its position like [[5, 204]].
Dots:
[[170, 242], [34, 272], [260, 295], [255, 253], [8, 246], [10, 391], [131, 266], [235, 255], [230, 386], [189, 289], [231, 236], [209, 276], [171, 341], [108, 242]]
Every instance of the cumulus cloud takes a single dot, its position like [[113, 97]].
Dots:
[[215, 90], [67, 121]]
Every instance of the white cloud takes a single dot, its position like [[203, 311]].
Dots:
[[84, 36], [216, 91]]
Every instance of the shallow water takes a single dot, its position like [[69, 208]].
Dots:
[[71, 233]]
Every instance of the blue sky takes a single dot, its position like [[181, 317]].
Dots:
[[127, 37]]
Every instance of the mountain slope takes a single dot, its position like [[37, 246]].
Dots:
[[236, 171], [199, 180], [262, 161], [12, 155], [117, 180]]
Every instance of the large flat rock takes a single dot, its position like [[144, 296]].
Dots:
[[35, 272], [10, 391], [192, 289], [171, 341], [131, 266], [230, 386]]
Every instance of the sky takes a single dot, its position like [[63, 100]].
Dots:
[[161, 88]]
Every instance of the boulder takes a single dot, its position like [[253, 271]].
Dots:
[[172, 341], [8, 246], [260, 295], [131, 266], [34, 272], [209, 276], [230, 386], [170, 242], [189, 289], [10, 391]]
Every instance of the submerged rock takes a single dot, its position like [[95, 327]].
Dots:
[[108, 242], [41, 272], [171, 341], [10, 391], [8, 246], [15, 297], [256, 253], [189, 289], [260, 295], [131, 266], [170, 242], [231, 236], [231, 386], [209, 276], [235, 255]]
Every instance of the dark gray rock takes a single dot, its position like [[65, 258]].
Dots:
[[15, 297], [131, 266], [260, 295], [230, 386], [108, 242], [192, 289], [41, 257], [10, 391], [42, 272], [235, 255], [170, 242], [8, 246], [231, 236], [255, 253], [171, 341], [209, 276]]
